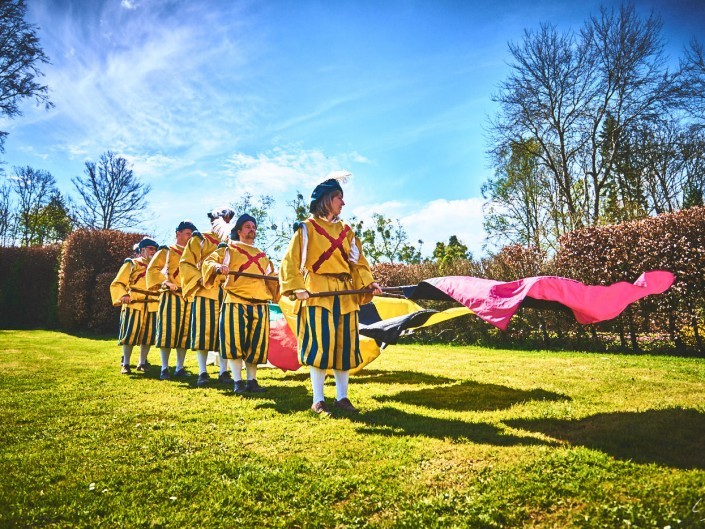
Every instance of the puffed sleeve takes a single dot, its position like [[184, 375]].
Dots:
[[272, 286], [120, 284], [290, 277], [155, 277], [188, 266], [209, 269], [360, 271]]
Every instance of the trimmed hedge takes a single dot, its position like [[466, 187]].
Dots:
[[89, 262], [28, 287]]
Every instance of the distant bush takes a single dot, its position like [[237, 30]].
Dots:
[[28, 287], [89, 262]]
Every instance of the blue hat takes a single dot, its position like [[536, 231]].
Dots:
[[186, 225], [322, 190], [238, 225], [146, 242], [220, 213]]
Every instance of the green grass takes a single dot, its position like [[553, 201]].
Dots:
[[447, 437]]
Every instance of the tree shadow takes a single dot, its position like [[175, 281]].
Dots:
[[381, 376], [393, 422], [673, 437], [472, 396]]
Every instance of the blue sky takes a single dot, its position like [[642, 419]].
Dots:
[[209, 100]]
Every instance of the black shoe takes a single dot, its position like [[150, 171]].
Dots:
[[126, 370], [164, 375], [320, 408], [141, 367], [180, 373], [253, 387], [225, 378], [345, 405], [203, 380], [239, 387]]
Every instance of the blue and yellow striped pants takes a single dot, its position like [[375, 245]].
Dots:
[[173, 321], [244, 332], [328, 340], [204, 324], [136, 326]]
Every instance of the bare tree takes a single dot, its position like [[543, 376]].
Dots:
[[7, 235], [112, 197], [34, 189], [565, 90], [20, 56]]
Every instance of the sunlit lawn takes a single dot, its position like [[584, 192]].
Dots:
[[447, 436]]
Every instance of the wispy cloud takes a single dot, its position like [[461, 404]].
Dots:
[[147, 79], [285, 169]]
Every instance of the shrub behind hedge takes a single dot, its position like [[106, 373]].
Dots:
[[89, 262]]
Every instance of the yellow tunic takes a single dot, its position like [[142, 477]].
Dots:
[[241, 257], [132, 274], [198, 247], [320, 262], [164, 266]]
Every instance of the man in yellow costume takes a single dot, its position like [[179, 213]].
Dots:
[[244, 318], [174, 314], [325, 256], [205, 300], [138, 315]]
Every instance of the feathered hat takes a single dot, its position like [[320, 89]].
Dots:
[[332, 183]]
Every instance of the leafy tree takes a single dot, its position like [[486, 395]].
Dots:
[[20, 57], [386, 241], [34, 190], [445, 254], [517, 210], [112, 196], [54, 221]]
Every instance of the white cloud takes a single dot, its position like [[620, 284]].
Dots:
[[284, 170], [434, 221]]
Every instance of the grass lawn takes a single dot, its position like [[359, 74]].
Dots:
[[447, 437]]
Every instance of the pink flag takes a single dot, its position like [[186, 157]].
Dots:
[[497, 301]]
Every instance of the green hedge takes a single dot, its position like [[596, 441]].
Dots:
[[28, 287]]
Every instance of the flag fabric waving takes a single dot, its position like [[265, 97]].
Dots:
[[496, 302]]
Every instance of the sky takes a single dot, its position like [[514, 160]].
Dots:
[[210, 100]]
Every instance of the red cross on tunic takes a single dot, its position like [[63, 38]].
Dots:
[[335, 244], [141, 274], [178, 252], [251, 259]]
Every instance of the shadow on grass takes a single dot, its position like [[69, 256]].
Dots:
[[393, 422], [284, 399], [672, 437], [381, 376], [471, 396]]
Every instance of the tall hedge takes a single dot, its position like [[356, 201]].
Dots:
[[28, 287], [89, 262]]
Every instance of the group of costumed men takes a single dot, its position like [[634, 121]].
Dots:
[[214, 291]]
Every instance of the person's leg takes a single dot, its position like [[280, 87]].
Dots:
[[126, 354], [180, 359], [318, 378]]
